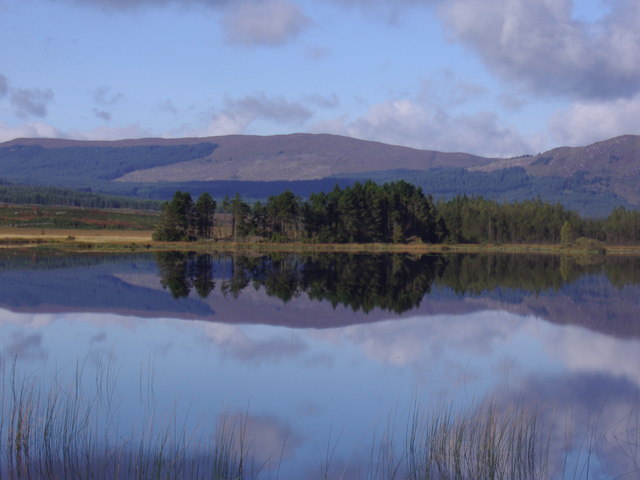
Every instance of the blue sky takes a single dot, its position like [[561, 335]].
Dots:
[[491, 77]]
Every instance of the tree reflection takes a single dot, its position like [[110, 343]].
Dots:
[[392, 282], [182, 271]]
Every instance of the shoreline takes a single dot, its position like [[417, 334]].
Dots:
[[80, 240]]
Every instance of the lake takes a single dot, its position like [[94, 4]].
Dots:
[[325, 366]]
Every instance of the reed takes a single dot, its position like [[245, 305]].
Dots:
[[67, 428]]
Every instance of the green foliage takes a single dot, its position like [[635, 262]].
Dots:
[[566, 234], [622, 227], [34, 195], [590, 245], [477, 220], [282, 215], [182, 220], [397, 212], [591, 196], [176, 222], [365, 213], [203, 211]]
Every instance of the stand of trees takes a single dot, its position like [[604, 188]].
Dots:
[[184, 220], [391, 213], [396, 212]]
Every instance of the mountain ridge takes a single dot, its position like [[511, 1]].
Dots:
[[609, 169]]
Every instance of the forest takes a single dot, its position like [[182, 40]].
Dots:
[[84, 165], [66, 197], [395, 212]]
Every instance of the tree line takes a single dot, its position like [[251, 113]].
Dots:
[[39, 195], [395, 212]]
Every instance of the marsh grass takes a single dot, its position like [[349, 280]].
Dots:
[[67, 428], [445, 443]]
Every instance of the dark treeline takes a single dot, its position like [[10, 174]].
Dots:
[[184, 220], [591, 196], [392, 282], [36, 195], [399, 212], [362, 213], [86, 164]]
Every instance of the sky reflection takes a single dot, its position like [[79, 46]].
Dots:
[[315, 384], [309, 388]]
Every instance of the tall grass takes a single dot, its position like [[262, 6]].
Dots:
[[444, 443], [506, 442], [66, 429], [65, 432]]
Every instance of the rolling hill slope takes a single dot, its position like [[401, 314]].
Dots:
[[593, 179]]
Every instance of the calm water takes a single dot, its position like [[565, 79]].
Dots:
[[321, 361]]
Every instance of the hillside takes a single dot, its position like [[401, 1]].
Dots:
[[298, 157], [593, 179], [612, 165]]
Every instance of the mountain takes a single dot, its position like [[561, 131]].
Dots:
[[613, 165], [255, 158], [593, 179]]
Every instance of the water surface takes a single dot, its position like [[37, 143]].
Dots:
[[322, 360]]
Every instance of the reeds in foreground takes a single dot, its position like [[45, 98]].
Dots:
[[68, 431]]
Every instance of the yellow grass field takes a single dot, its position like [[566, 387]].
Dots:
[[99, 236], [95, 240]]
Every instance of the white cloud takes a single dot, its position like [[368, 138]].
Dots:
[[42, 130], [239, 114], [268, 22], [585, 122], [539, 44], [28, 130], [110, 133], [407, 122]]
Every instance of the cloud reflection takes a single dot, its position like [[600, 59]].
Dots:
[[265, 438], [25, 346], [235, 342], [592, 414], [582, 351]]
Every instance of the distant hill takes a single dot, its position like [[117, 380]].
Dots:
[[592, 179], [238, 157], [612, 165]]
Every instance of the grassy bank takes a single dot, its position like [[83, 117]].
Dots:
[[68, 239], [45, 218]]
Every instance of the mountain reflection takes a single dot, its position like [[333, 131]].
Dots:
[[325, 290]]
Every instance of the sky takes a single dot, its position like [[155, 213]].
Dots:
[[490, 77]]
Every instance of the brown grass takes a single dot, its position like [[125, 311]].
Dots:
[[79, 239]]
